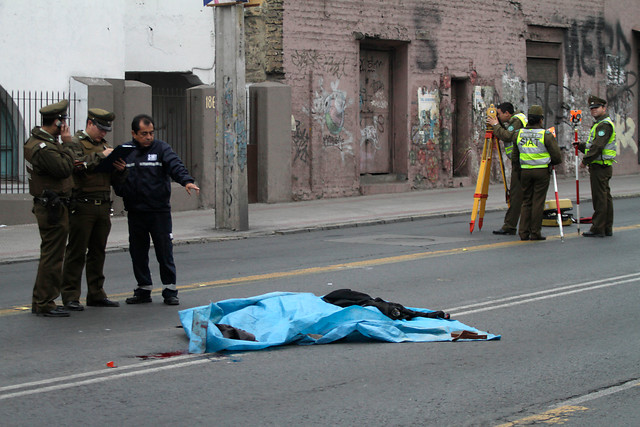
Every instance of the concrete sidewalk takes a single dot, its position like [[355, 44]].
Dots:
[[21, 242]]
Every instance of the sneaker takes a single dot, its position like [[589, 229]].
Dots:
[[170, 297], [140, 296]]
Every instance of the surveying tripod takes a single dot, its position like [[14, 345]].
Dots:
[[484, 174]]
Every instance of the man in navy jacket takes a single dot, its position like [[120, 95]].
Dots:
[[146, 194]]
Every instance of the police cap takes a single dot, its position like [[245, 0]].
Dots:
[[59, 109], [101, 118], [595, 102], [536, 110]]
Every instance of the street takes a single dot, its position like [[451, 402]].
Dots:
[[567, 313]]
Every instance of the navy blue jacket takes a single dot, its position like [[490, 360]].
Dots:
[[148, 184]]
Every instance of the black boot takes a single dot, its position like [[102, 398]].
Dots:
[[140, 296], [170, 296]]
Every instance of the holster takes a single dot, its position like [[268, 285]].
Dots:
[[52, 202]]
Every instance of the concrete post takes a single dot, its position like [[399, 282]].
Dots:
[[201, 134], [98, 93], [120, 132], [134, 99], [232, 206], [137, 99], [271, 127]]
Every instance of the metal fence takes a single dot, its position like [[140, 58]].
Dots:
[[19, 113], [170, 116]]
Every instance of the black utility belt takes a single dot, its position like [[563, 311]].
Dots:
[[44, 201], [96, 202], [600, 165]]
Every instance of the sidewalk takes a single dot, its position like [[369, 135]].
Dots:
[[21, 242]]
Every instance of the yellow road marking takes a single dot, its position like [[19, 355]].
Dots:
[[554, 416], [336, 267]]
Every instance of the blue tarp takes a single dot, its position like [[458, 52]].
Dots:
[[280, 318]]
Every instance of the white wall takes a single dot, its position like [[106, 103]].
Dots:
[[170, 35], [44, 42]]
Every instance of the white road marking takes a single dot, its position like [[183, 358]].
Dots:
[[148, 367]]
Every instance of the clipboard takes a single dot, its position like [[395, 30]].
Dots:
[[120, 152]]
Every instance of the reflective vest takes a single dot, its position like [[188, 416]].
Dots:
[[609, 151], [533, 153], [523, 119]]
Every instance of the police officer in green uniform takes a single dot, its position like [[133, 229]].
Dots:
[[49, 165], [599, 154], [507, 130], [90, 218], [534, 152]]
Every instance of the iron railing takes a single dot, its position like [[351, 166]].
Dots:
[[19, 113], [170, 116]]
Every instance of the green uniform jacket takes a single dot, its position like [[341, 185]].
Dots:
[[550, 144], [49, 164], [87, 183], [509, 133]]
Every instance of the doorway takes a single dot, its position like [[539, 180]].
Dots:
[[375, 111], [461, 125], [543, 80]]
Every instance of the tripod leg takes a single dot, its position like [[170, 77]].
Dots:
[[485, 181], [479, 195]]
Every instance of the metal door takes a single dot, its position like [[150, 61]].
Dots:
[[375, 111]]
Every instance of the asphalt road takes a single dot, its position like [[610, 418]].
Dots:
[[567, 312]]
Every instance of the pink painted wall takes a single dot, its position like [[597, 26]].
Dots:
[[483, 42]]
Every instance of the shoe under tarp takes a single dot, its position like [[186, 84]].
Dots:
[[280, 318]]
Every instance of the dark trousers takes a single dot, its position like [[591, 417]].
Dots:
[[158, 226], [602, 221], [53, 240], [515, 203], [89, 227], [535, 183]]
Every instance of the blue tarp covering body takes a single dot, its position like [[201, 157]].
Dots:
[[279, 318]]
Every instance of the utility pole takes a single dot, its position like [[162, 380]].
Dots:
[[232, 210]]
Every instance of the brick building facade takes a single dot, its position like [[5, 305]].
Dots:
[[390, 95]]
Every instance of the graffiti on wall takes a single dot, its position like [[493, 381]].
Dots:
[[426, 20], [329, 110], [300, 138], [446, 114], [512, 86], [425, 136], [369, 132], [595, 45], [625, 130], [319, 61], [586, 43]]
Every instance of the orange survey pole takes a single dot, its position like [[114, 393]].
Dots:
[[482, 186], [576, 117]]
